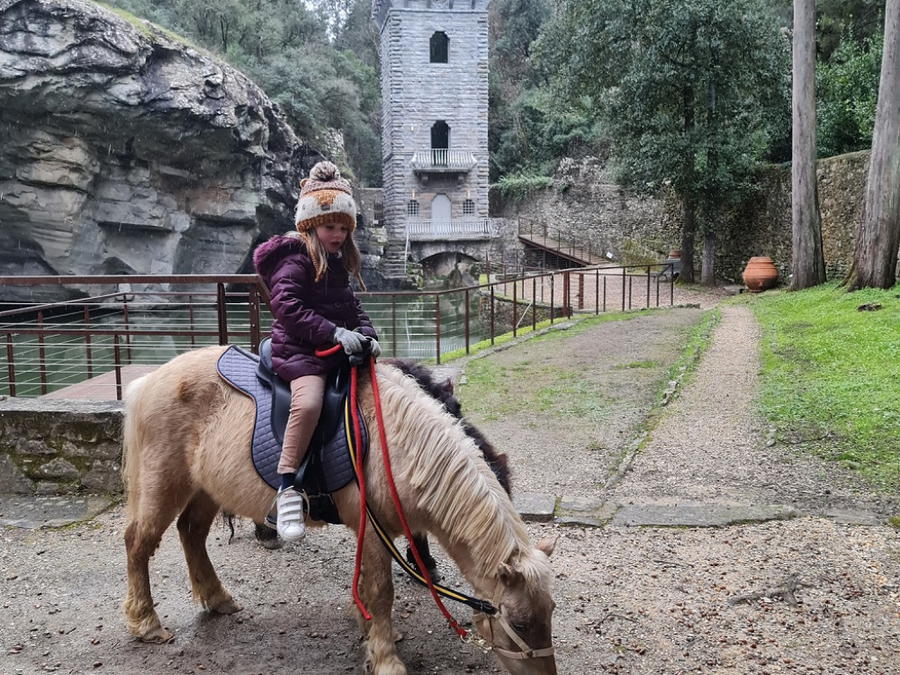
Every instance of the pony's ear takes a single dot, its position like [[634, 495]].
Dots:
[[547, 544], [447, 385], [508, 574]]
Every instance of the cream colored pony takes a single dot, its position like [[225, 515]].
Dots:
[[187, 437]]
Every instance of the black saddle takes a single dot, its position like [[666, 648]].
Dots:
[[327, 465]]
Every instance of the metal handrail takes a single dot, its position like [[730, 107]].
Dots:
[[45, 346]]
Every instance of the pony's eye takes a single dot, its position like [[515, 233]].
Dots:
[[520, 627]]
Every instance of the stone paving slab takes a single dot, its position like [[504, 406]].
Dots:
[[534, 507], [699, 515], [36, 511]]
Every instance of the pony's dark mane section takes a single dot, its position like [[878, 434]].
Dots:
[[443, 392]]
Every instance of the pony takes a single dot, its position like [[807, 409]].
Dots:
[[186, 439]]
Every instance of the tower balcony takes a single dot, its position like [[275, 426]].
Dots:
[[452, 229], [443, 160]]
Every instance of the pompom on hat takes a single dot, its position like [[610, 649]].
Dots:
[[325, 197]]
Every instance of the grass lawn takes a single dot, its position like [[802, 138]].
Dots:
[[831, 375]]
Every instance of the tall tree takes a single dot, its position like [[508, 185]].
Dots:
[[878, 235], [807, 257], [683, 87]]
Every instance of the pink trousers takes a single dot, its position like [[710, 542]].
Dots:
[[306, 405]]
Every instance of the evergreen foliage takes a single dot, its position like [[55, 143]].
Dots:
[[308, 62], [530, 128], [846, 94]]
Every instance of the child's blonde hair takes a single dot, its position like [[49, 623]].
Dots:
[[319, 255]]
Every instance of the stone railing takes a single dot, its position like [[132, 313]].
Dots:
[[455, 228], [443, 160]]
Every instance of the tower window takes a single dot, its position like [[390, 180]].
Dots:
[[468, 207], [439, 44], [412, 207]]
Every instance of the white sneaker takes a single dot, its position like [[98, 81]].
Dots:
[[291, 525]]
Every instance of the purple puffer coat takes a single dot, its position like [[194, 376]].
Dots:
[[305, 312]]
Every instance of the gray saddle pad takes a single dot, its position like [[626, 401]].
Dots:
[[330, 467]]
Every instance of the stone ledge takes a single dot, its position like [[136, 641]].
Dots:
[[54, 446]]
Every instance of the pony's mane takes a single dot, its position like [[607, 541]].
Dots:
[[452, 480]]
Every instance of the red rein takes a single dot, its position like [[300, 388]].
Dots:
[[395, 497]]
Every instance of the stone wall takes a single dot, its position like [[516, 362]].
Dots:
[[586, 206], [59, 447]]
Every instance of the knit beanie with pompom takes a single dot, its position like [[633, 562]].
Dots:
[[325, 197]]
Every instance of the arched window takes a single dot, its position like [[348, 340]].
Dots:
[[468, 207], [412, 207], [439, 47], [440, 142]]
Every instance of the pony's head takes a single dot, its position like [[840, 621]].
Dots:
[[520, 631]]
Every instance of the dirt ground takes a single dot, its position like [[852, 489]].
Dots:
[[630, 599]]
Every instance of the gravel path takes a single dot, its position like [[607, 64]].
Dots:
[[809, 594], [804, 595]]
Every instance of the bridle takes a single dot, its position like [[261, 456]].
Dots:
[[526, 651], [484, 610]]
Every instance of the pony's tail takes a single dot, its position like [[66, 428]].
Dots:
[[132, 442]]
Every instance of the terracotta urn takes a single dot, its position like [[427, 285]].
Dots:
[[760, 274]]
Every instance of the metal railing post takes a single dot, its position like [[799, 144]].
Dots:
[[87, 342], [10, 364], [42, 360], [221, 311], [117, 366], [437, 323], [580, 290], [253, 318], [515, 308], [648, 286], [493, 331], [127, 329], [552, 299], [467, 319]]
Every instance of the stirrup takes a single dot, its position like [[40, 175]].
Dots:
[[271, 519]]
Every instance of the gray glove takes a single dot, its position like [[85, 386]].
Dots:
[[350, 341], [375, 347]]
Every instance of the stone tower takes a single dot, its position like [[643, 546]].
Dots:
[[434, 87]]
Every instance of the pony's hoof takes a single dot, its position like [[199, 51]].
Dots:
[[228, 606], [267, 536], [158, 636], [271, 544]]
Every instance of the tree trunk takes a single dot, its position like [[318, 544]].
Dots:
[[708, 259], [808, 259], [688, 202], [688, 233], [878, 234]]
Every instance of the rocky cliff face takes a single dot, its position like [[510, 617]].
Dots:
[[124, 150]]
